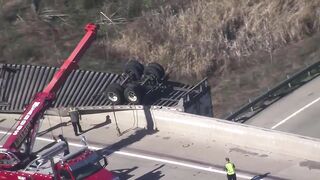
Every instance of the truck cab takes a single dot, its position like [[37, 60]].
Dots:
[[83, 164]]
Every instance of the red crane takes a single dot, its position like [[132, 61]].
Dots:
[[15, 155]]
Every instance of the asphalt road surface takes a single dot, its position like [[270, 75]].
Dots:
[[298, 112], [138, 154], [141, 165]]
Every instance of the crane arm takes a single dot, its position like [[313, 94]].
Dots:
[[29, 122]]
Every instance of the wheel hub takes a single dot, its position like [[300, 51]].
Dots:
[[112, 97], [132, 96]]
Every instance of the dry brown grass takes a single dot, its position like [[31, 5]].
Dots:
[[213, 36], [234, 89], [239, 44]]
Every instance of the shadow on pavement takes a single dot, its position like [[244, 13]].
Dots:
[[128, 173], [53, 128], [124, 173], [154, 174], [96, 126], [261, 176], [137, 136], [45, 147], [258, 177]]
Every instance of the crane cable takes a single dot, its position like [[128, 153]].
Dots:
[[61, 128], [106, 55], [115, 119], [52, 135], [135, 119]]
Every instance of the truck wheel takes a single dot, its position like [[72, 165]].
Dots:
[[154, 71], [135, 68], [134, 93], [115, 93], [159, 67]]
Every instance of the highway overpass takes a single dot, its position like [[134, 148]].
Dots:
[[182, 146]]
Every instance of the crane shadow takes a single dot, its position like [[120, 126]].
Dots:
[[45, 147], [137, 136], [53, 128], [96, 126], [2, 120]]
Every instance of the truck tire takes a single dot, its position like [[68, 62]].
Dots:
[[134, 68], [114, 93], [154, 72], [134, 93], [159, 67]]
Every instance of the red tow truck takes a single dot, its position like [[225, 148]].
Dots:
[[17, 161]]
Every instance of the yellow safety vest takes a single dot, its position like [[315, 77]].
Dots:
[[230, 169]]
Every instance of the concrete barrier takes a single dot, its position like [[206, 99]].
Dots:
[[204, 129]]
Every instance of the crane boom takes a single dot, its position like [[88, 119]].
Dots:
[[28, 126], [72, 62]]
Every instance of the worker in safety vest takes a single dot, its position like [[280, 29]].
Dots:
[[231, 170]]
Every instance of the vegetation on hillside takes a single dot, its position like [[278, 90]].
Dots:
[[216, 35], [191, 38]]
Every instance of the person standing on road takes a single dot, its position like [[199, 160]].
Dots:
[[230, 168], [75, 120]]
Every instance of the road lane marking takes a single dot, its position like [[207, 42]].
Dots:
[[162, 160], [295, 113]]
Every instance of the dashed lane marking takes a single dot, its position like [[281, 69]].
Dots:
[[295, 113]]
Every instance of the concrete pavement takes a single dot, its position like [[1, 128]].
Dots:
[[139, 153], [296, 113]]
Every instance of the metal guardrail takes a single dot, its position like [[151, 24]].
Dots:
[[287, 86]]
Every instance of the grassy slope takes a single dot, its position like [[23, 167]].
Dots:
[[233, 89], [243, 46]]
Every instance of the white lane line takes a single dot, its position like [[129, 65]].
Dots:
[[123, 153], [295, 113]]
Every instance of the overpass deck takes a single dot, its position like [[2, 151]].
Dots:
[[169, 154]]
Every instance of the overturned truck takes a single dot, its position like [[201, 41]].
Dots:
[[137, 86]]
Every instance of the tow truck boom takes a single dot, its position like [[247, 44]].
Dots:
[[25, 132]]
